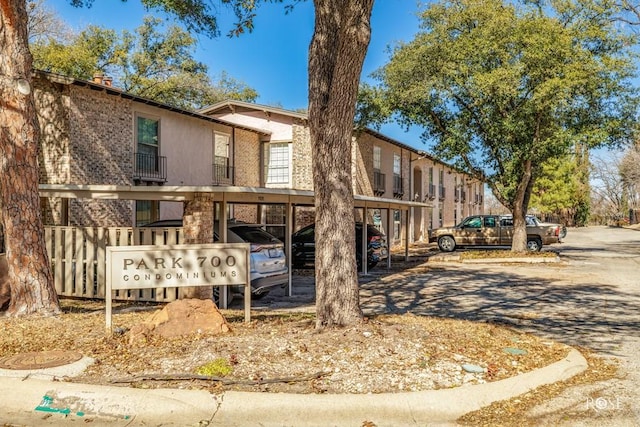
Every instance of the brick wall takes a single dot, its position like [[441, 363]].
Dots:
[[363, 165], [86, 138], [101, 148], [302, 169], [52, 106], [247, 155]]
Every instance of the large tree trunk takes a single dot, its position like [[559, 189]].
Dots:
[[337, 51], [520, 206], [30, 278]]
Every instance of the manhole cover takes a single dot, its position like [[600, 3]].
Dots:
[[39, 360]]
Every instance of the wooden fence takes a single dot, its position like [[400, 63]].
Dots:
[[78, 259]]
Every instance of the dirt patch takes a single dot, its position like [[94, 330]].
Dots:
[[283, 352]]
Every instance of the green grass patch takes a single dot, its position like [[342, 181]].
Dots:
[[217, 368]]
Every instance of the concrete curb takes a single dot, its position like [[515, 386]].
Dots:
[[525, 260], [119, 406], [521, 260]]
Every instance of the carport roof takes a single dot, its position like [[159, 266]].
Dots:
[[229, 194]]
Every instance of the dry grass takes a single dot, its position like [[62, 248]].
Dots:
[[386, 353]]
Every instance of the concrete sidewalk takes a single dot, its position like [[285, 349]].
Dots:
[[40, 402]]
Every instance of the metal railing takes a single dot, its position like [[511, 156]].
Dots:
[[432, 192], [149, 167], [398, 189], [223, 174], [379, 184]]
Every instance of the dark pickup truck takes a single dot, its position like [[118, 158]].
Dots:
[[493, 230]]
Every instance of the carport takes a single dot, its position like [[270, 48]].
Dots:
[[225, 195]]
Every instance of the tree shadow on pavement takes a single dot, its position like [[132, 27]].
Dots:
[[585, 314]]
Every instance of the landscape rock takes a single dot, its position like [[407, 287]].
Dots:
[[182, 317]]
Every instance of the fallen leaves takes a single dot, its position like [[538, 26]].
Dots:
[[386, 353]]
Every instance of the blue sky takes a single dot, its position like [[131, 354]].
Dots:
[[273, 58]]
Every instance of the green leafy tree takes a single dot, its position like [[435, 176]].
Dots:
[[94, 49], [501, 88], [341, 37], [152, 62], [555, 188]]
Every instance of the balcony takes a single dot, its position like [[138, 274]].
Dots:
[[432, 192], [149, 167], [223, 174], [379, 184], [398, 189], [441, 192]]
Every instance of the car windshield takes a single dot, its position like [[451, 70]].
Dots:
[[254, 234]]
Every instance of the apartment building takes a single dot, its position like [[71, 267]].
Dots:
[[95, 134], [382, 167]]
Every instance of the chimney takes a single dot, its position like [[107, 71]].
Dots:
[[107, 81], [97, 77]]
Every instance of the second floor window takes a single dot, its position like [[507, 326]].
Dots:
[[222, 170], [221, 150], [147, 136], [377, 158], [396, 165], [276, 163]]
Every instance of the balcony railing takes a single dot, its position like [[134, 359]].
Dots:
[[379, 184], [223, 174], [432, 192], [149, 167], [398, 189]]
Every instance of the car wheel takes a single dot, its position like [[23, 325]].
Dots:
[[446, 244], [534, 245]]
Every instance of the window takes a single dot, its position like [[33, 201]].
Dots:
[[276, 163], [474, 222], [276, 214], [221, 149], [490, 221], [147, 141], [146, 211], [222, 170], [377, 158], [396, 164]]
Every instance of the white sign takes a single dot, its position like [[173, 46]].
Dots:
[[143, 267]]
